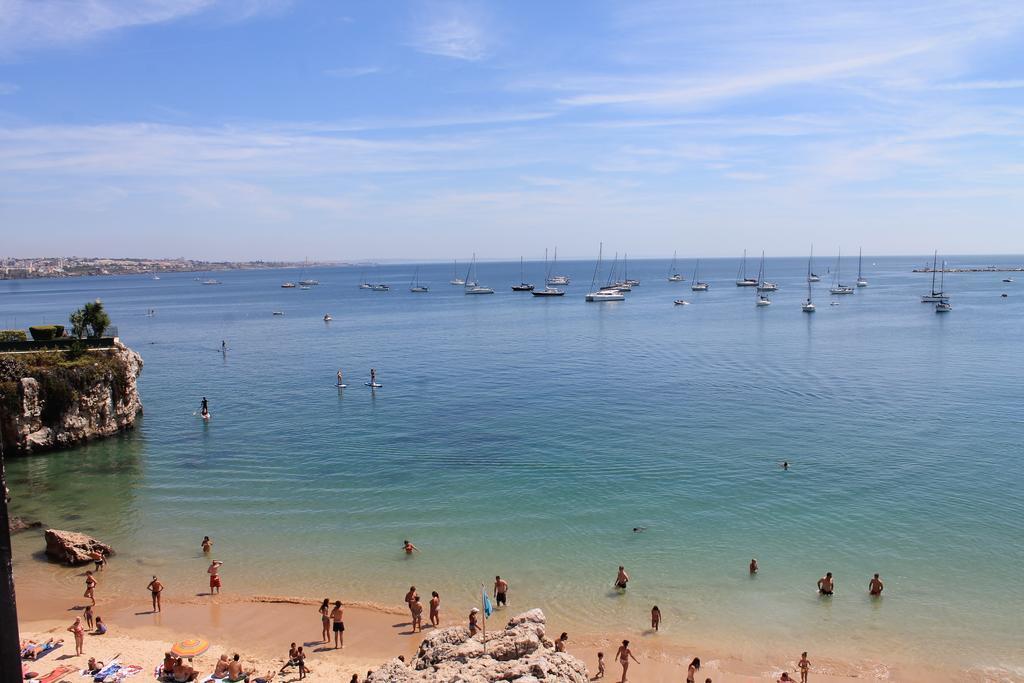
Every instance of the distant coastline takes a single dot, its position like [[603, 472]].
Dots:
[[72, 266]]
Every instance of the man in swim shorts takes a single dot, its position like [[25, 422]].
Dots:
[[622, 578], [213, 571], [875, 587], [500, 591], [825, 584]]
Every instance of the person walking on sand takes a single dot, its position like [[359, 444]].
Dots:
[[207, 544], [155, 589], [500, 591], [624, 654], [655, 618], [409, 548], [338, 619], [875, 586], [804, 665], [90, 587], [416, 607], [691, 671], [474, 626], [826, 585], [325, 620], [600, 665], [214, 571], [435, 609], [79, 632], [621, 579]]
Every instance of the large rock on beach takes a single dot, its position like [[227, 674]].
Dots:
[[519, 653], [71, 547]]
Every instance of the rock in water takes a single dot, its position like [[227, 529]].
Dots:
[[519, 652], [18, 524], [71, 547]]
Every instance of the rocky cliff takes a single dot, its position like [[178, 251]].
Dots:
[[52, 400], [520, 652]]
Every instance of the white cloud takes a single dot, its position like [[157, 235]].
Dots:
[[980, 85], [353, 71], [451, 31]]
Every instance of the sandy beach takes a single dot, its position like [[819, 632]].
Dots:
[[260, 629]]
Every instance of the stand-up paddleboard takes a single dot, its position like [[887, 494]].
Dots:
[[373, 385], [207, 416], [341, 386]]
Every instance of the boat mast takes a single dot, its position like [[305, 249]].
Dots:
[[597, 267], [935, 260]]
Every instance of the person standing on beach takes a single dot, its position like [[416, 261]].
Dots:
[[90, 587], [97, 557], [875, 586], [410, 597], [825, 584], [600, 665], [155, 589], [474, 627], [338, 617], [325, 620], [500, 591], [655, 618], [214, 571], [88, 616], [409, 548], [76, 628], [416, 607], [435, 609], [804, 665], [622, 578], [691, 671], [624, 654]]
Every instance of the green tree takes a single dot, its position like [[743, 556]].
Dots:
[[90, 320]]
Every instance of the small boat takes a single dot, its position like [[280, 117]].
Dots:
[[838, 287], [808, 306], [456, 280], [741, 275], [681, 302], [834, 303], [698, 285], [472, 286], [814, 277], [673, 273], [523, 285], [762, 284], [558, 280], [309, 283], [861, 282], [328, 318], [935, 296], [278, 313], [415, 286], [288, 285], [1005, 279], [762, 300], [380, 288], [157, 277], [212, 282], [303, 286]]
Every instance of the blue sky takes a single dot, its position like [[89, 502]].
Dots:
[[275, 129]]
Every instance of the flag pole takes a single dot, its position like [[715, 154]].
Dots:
[[483, 607]]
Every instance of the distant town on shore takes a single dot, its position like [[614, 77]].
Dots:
[[75, 266]]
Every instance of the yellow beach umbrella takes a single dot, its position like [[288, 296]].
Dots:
[[190, 647]]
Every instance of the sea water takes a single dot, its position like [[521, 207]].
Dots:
[[527, 437]]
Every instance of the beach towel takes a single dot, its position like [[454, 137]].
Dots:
[[108, 670], [123, 673], [56, 674]]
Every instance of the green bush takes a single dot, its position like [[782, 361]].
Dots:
[[46, 332], [10, 399], [13, 335]]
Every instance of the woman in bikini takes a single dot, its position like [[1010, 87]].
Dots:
[[325, 620], [435, 608], [76, 628], [624, 654], [691, 672], [90, 587]]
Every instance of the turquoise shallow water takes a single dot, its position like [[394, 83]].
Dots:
[[527, 437]]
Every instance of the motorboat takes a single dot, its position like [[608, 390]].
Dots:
[[212, 282], [278, 313], [380, 288], [328, 318], [681, 302], [762, 300], [549, 291], [943, 306], [288, 285]]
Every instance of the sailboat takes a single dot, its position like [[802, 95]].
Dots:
[[415, 285], [363, 282], [764, 285], [523, 285], [837, 283], [936, 295], [304, 282], [673, 273], [861, 282], [472, 287], [943, 305], [741, 275], [808, 306], [556, 279], [625, 273], [614, 284], [762, 298], [456, 280], [697, 285], [811, 275], [599, 295], [548, 289]]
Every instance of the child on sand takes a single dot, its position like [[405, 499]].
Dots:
[[655, 618], [88, 616], [805, 665], [600, 665]]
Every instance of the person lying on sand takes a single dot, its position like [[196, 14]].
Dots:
[[31, 649]]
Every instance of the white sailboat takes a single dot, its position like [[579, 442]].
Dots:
[[698, 285], [523, 285], [673, 273], [363, 282], [943, 305], [415, 286], [456, 280], [935, 296], [472, 287], [837, 283], [558, 280], [626, 280], [861, 282], [811, 275], [808, 306], [762, 284], [741, 275], [762, 298], [304, 281], [601, 295], [548, 289]]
